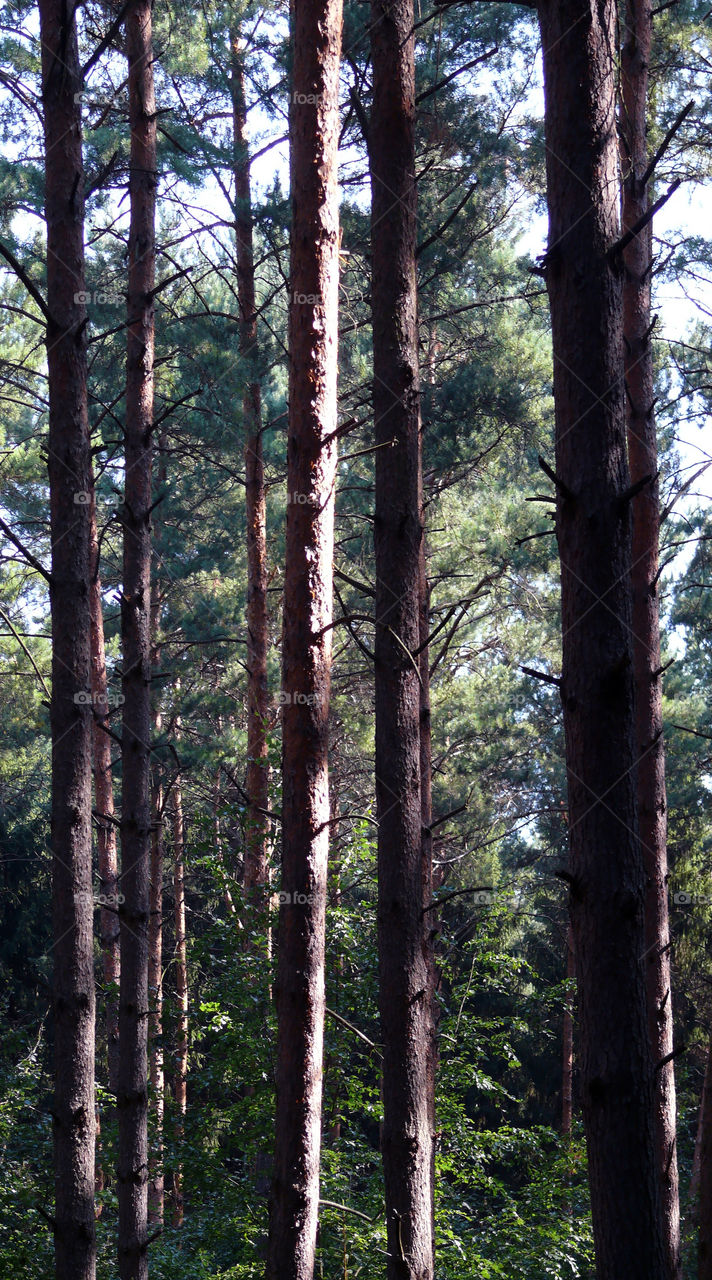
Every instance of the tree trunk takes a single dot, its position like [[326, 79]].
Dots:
[[643, 461], [257, 777], [104, 801], [106, 832], [403, 927], [136, 636], [306, 640], [181, 1051], [694, 1189], [567, 1083], [69, 468], [593, 522], [426, 809], [704, 1240], [155, 1003]]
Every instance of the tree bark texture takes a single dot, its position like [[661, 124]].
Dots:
[[584, 278], [643, 462], [107, 858], [306, 641], [180, 1076], [403, 927], [257, 773], [70, 486], [136, 637]]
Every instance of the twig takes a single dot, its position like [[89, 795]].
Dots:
[[643, 221], [665, 144], [31, 560], [549, 471], [349, 1025], [541, 675], [25, 279], [26, 652], [331, 1204]]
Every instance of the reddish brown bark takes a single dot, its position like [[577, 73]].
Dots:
[[593, 523], [643, 462], [70, 485], [257, 774], [306, 637], [181, 969], [104, 810], [136, 637], [403, 926]]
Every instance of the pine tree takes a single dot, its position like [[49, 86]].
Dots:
[[70, 485], [307, 635], [403, 802], [593, 524], [136, 658]]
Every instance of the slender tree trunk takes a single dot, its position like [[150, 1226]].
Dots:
[[403, 926], [643, 461], [593, 522], [181, 1051], [705, 1104], [156, 1184], [155, 1002], [703, 1207], [306, 641], [104, 801], [136, 635], [257, 779], [70, 485], [426, 809], [106, 834], [567, 1084]]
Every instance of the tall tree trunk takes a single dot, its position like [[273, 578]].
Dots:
[[257, 779], [593, 523], [306, 639], [106, 833], [136, 635], [155, 1001], [567, 1081], [426, 809], [705, 1109], [403, 926], [181, 1050], [703, 1208], [156, 1183], [69, 468], [643, 462], [104, 801]]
